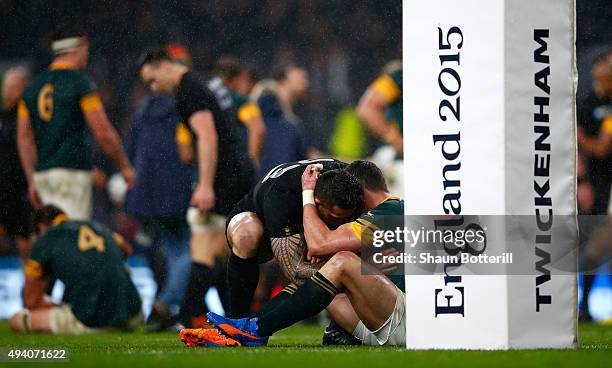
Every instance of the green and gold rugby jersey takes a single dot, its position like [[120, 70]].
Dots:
[[56, 101], [387, 216], [390, 86], [245, 108], [89, 261]]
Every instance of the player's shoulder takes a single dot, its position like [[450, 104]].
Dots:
[[36, 84], [332, 164], [392, 206], [238, 99], [193, 81]]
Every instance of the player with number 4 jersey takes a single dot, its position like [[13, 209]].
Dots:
[[89, 260]]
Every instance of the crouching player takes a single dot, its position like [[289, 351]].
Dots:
[[89, 260], [376, 313]]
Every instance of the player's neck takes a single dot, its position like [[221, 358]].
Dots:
[[373, 199]]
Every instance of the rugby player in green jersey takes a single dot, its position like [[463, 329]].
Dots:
[[89, 260], [381, 110], [58, 110], [380, 106], [239, 81]]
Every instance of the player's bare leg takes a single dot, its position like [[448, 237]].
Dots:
[[341, 310], [372, 296], [26, 321], [207, 245]]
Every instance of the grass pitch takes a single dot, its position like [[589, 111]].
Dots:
[[296, 346]]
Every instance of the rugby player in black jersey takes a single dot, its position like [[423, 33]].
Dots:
[[225, 171], [267, 223]]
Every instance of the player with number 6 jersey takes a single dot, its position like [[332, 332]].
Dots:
[[89, 260], [57, 108]]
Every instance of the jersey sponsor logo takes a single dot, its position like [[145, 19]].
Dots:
[[280, 170]]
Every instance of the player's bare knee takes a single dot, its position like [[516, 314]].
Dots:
[[343, 261], [245, 231]]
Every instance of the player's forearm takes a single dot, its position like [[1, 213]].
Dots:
[[375, 121], [256, 137], [107, 137], [207, 159], [27, 149], [315, 232], [111, 145]]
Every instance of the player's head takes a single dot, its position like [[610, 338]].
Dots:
[[179, 54], [368, 174], [44, 217], [293, 78], [338, 197], [158, 72], [71, 42], [602, 75], [13, 84], [236, 76]]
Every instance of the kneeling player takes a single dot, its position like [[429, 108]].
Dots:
[[88, 259], [267, 223], [378, 304]]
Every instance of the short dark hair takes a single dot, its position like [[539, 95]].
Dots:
[[368, 175], [153, 57], [338, 187], [45, 215], [67, 31], [227, 67]]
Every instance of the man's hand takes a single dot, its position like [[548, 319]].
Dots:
[[33, 195], [310, 176], [203, 198], [129, 175]]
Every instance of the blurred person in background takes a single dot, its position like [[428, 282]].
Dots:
[[240, 82], [15, 210], [381, 109], [285, 139], [595, 144], [57, 108], [160, 198], [225, 171], [89, 260]]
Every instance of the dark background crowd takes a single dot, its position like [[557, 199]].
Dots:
[[342, 44]]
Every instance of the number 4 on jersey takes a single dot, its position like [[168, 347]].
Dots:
[[89, 240]]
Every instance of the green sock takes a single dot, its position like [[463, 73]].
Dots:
[[309, 299]]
